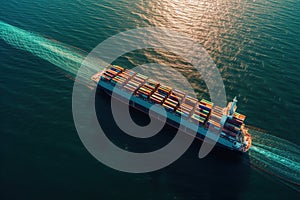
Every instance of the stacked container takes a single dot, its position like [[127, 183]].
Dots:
[[118, 81], [146, 90], [191, 101], [177, 94], [157, 98], [170, 104], [239, 116], [160, 94], [186, 108], [215, 117], [109, 74], [202, 111], [117, 68], [233, 125], [122, 78], [135, 82], [164, 90], [152, 84]]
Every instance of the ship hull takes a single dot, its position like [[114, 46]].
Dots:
[[186, 126]]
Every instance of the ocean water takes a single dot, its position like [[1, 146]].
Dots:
[[255, 45]]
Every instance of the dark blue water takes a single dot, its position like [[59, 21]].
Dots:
[[254, 43]]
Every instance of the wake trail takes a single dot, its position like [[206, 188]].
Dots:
[[275, 156], [271, 154], [65, 57]]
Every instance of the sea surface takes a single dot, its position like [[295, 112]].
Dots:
[[255, 45]]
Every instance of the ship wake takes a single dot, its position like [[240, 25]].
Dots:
[[65, 57], [276, 156], [268, 153]]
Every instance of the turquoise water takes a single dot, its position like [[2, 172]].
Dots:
[[254, 43]]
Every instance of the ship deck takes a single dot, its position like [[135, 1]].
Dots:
[[181, 108]]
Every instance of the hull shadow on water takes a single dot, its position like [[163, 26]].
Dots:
[[221, 175]]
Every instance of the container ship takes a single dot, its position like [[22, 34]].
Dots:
[[193, 115]]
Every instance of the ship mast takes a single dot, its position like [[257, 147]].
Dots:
[[233, 106]]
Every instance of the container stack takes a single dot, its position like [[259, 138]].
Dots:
[[146, 90], [239, 116], [170, 104], [109, 74], [191, 101], [129, 73], [215, 117], [177, 95], [164, 90], [140, 78], [134, 83], [198, 119], [202, 111], [160, 94], [233, 125], [207, 105], [118, 81], [157, 98], [187, 106], [143, 92], [176, 98], [123, 78], [231, 129], [106, 77], [152, 84], [184, 110], [117, 68]]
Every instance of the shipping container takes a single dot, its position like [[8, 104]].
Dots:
[[172, 101], [178, 94], [239, 116], [180, 113], [116, 67], [149, 86], [159, 95], [145, 89], [157, 98], [190, 101], [201, 106], [129, 73], [207, 102], [204, 115], [105, 78], [142, 92], [197, 117], [175, 98], [235, 122], [154, 100], [205, 111], [129, 88], [112, 72], [168, 108], [109, 74], [170, 104], [141, 76], [134, 83], [211, 122]]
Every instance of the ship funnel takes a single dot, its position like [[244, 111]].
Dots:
[[233, 105]]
